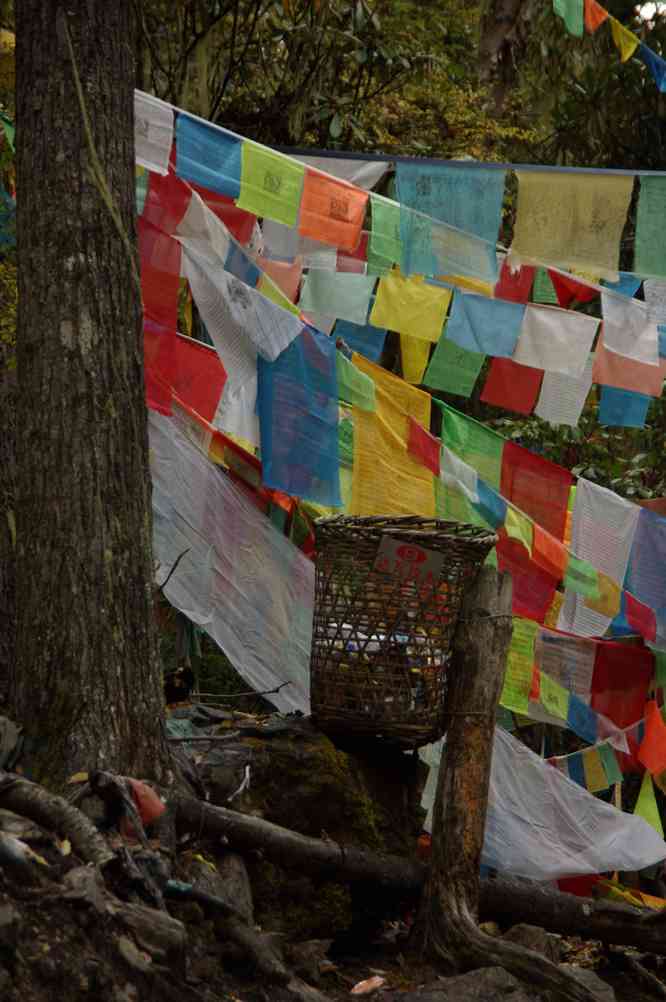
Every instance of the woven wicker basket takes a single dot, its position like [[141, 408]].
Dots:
[[382, 627]]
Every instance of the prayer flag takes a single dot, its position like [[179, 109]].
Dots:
[[581, 577], [414, 355], [159, 361], [595, 774], [656, 66], [424, 446], [576, 768], [363, 338], [485, 326], [385, 240], [514, 285], [474, 443], [338, 295], [611, 369], [567, 660], [571, 12], [650, 246], [410, 306], [199, 376], [625, 40], [354, 386], [627, 285], [640, 617], [562, 398], [519, 527], [611, 767], [153, 132], [386, 479], [607, 601], [270, 183], [160, 274], [533, 588], [208, 155], [582, 719], [630, 329], [332, 211], [622, 408], [536, 486], [512, 386], [567, 289], [572, 220], [544, 290], [553, 697], [646, 805], [645, 579], [239, 223], [453, 369], [595, 15], [549, 553], [298, 418], [652, 751], [622, 676], [490, 505], [468, 198], [417, 254], [286, 276], [519, 663]]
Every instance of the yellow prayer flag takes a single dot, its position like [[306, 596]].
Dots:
[[519, 666], [386, 479], [554, 697], [410, 306], [625, 40], [595, 775], [472, 284], [646, 805], [414, 353], [610, 596], [519, 527]]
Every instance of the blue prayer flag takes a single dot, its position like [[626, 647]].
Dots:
[[365, 339], [208, 156], [576, 769], [622, 408], [417, 257], [661, 328], [581, 719], [491, 506], [628, 284], [645, 577], [655, 64], [241, 265], [486, 326], [469, 198], [297, 401]]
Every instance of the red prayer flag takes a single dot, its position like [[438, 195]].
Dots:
[[515, 285], [423, 446], [533, 588], [567, 289], [512, 385], [160, 274], [167, 199], [640, 617], [620, 681], [536, 486], [199, 376], [159, 354], [549, 553], [239, 222], [652, 751], [595, 15]]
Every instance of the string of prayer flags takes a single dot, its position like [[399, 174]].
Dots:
[[646, 805], [332, 211], [655, 64], [153, 132], [453, 369], [571, 220], [386, 478], [414, 355], [298, 419], [515, 284], [364, 338], [344, 296], [652, 750], [485, 326], [562, 397], [467, 198], [571, 12], [555, 340], [629, 329], [622, 408], [512, 386], [354, 387], [410, 306], [595, 15], [611, 369], [519, 665], [625, 40], [650, 243], [208, 156], [270, 184]]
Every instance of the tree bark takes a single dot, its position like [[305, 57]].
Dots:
[[7, 505], [502, 39], [87, 682]]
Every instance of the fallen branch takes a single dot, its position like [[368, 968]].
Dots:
[[55, 814]]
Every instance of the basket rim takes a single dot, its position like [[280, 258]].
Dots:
[[410, 525]]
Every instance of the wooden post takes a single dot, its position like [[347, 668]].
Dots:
[[447, 927]]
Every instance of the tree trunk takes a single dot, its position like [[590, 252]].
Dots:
[[503, 32], [447, 928], [7, 493], [87, 684]]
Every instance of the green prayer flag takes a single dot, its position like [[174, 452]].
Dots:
[[581, 577], [650, 246], [271, 184], [609, 762], [519, 665], [354, 386], [553, 697], [385, 243], [543, 290], [346, 442], [453, 369], [475, 444], [571, 12], [646, 805]]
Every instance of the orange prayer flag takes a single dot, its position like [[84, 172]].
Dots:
[[332, 211], [652, 751], [549, 553], [595, 15]]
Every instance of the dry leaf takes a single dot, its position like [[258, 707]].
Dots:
[[368, 986], [78, 777]]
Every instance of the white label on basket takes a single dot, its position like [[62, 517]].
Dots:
[[408, 561]]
